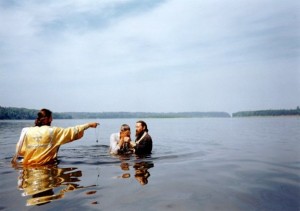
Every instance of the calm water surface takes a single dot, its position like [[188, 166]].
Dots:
[[197, 164]]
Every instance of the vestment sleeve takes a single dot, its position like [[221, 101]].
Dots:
[[65, 135], [20, 142]]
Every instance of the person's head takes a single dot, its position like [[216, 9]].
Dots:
[[125, 130], [44, 117], [140, 127]]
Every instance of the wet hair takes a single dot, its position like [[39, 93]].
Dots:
[[143, 125], [42, 117], [124, 127]]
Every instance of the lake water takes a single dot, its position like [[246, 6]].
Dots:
[[197, 164]]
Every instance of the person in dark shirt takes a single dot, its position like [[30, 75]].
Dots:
[[143, 141]]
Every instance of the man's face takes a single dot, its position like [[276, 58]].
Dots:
[[125, 133], [138, 128]]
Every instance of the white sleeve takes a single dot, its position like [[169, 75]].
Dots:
[[21, 139], [114, 139]]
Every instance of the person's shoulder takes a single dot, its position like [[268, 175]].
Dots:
[[148, 137], [113, 135], [25, 129], [29, 128]]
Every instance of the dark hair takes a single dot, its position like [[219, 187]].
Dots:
[[124, 127], [42, 117], [143, 125]]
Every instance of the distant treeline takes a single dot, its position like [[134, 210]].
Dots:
[[111, 115], [24, 113], [282, 112]]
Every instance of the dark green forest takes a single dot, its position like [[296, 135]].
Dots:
[[281, 112], [110, 115], [24, 113]]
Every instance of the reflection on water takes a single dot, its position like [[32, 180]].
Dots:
[[47, 183], [141, 171], [226, 164], [44, 184], [140, 167]]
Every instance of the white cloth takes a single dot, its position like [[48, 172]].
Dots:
[[21, 139], [114, 140]]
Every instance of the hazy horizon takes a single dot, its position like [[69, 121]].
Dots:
[[164, 112], [150, 56]]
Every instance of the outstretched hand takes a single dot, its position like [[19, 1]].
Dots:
[[94, 124]]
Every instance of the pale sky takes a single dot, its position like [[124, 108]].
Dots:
[[150, 56]]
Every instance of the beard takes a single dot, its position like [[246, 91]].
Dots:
[[139, 133]]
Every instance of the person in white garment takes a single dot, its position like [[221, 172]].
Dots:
[[120, 142]]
